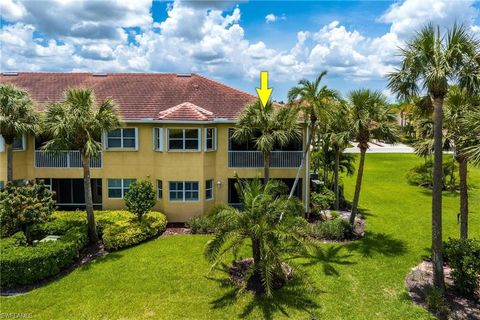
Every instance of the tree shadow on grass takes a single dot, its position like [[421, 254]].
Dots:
[[296, 295], [378, 243], [327, 258]]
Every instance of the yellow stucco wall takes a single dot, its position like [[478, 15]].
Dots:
[[145, 163]]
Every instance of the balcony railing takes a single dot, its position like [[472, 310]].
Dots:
[[63, 159], [254, 159]]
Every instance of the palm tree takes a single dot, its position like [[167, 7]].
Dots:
[[430, 60], [370, 118], [338, 135], [268, 127], [315, 102], [258, 222], [78, 124], [472, 122], [458, 104], [18, 117]]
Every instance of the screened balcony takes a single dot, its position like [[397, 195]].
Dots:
[[246, 156], [63, 159]]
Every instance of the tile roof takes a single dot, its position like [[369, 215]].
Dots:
[[185, 111], [142, 95]]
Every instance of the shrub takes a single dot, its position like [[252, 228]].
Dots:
[[140, 198], [23, 206], [18, 239], [335, 229], [125, 233], [437, 303], [422, 175], [463, 256], [200, 224], [322, 200], [26, 264]]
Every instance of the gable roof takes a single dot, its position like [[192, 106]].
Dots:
[[156, 96]]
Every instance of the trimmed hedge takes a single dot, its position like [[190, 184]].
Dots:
[[26, 264], [125, 233], [22, 264]]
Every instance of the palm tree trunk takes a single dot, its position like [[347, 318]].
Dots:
[[336, 187], [266, 167], [257, 256], [437, 256], [304, 157], [87, 185], [358, 185], [9, 150], [462, 170]]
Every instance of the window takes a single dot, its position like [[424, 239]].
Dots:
[[18, 143], [47, 182], [183, 190], [158, 139], [209, 189], [159, 189], [123, 138], [184, 139], [2, 185], [210, 139], [117, 188]]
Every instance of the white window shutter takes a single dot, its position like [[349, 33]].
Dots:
[[2, 144], [199, 139], [214, 138], [136, 139]]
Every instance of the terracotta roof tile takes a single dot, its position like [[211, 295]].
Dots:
[[142, 95]]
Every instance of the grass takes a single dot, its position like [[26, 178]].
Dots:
[[168, 278]]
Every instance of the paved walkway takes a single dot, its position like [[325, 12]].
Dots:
[[379, 147]]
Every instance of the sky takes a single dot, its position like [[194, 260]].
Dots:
[[355, 41]]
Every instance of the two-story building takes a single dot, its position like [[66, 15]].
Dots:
[[176, 132]]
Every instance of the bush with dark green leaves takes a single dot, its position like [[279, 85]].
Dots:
[[23, 206], [333, 229], [463, 256], [140, 198], [23, 264], [200, 224], [321, 201], [422, 175]]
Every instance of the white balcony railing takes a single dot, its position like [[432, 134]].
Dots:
[[63, 159], [254, 159]]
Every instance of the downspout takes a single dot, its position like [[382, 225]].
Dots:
[[307, 179]]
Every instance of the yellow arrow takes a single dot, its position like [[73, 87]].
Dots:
[[264, 91]]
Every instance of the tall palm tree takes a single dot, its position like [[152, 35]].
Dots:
[[18, 117], [258, 223], [430, 60], [338, 135], [370, 118], [472, 122], [458, 104], [268, 127], [315, 101], [78, 124]]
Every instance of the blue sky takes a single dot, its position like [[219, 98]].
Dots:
[[355, 41]]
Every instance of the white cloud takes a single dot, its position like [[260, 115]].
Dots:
[[271, 18], [205, 37]]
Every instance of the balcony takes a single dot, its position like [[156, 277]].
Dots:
[[63, 159], [254, 159]]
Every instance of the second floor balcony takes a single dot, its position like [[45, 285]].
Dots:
[[254, 159], [63, 159]]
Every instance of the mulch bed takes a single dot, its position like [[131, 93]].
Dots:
[[420, 280], [238, 272], [176, 228], [88, 254]]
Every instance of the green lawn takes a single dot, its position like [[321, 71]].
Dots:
[[168, 278]]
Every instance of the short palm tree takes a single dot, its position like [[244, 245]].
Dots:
[[459, 103], [258, 223], [430, 60], [268, 127], [18, 117], [315, 101], [78, 124], [370, 118]]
